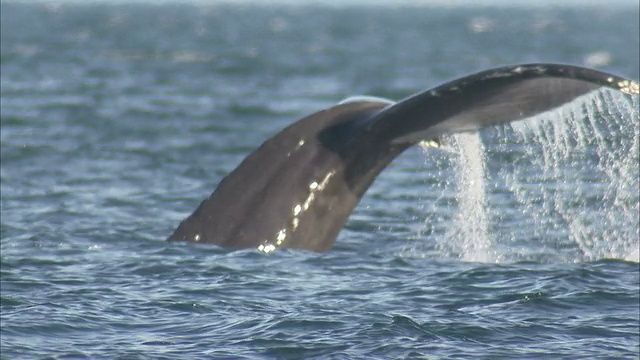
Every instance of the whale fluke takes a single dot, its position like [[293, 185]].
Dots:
[[299, 187]]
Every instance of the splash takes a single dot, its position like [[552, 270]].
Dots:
[[471, 223], [560, 187], [586, 156]]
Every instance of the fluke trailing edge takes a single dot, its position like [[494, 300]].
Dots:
[[299, 187]]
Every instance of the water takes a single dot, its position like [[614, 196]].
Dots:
[[117, 120], [470, 228], [573, 180]]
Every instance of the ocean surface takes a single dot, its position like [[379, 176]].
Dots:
[[518, 242]]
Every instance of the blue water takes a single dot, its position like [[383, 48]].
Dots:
[[117, 120]]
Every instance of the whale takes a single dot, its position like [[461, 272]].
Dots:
[[299, 187]]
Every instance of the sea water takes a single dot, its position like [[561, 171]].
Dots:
[[520, 241]]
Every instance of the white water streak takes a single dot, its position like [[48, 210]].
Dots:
[[471, 229]]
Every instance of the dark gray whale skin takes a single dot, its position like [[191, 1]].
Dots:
[[299, 187]]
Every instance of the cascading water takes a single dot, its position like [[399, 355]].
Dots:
[[471, 223], [561, 187]]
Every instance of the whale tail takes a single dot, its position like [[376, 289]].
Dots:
[[299, 187]]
